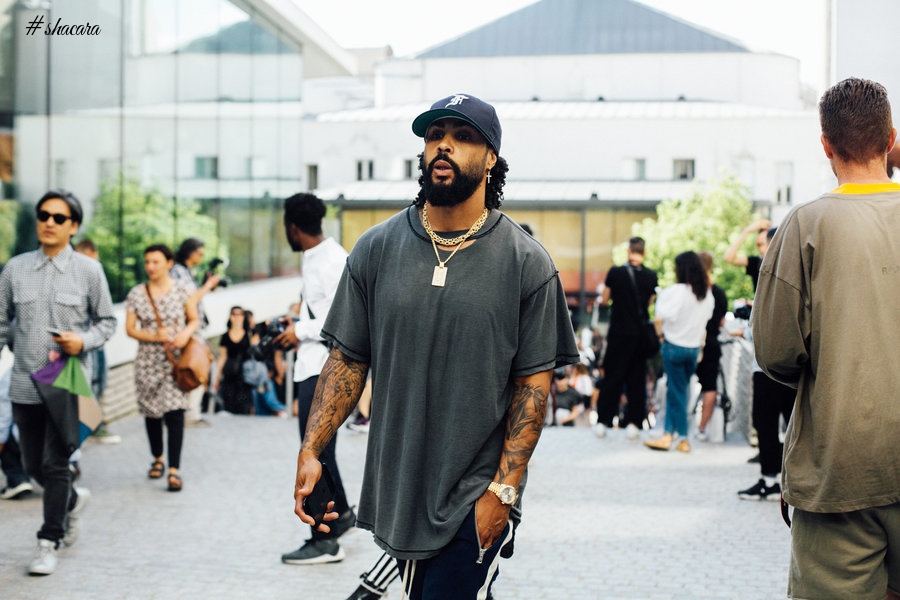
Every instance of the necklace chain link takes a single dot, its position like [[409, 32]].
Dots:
[[458, 239]]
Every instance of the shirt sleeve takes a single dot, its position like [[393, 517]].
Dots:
[[347, 323], [546, 335], [6, 306], [781, 311]]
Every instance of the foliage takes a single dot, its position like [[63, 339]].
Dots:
[[9, 210], [128, 218], [711, 218]]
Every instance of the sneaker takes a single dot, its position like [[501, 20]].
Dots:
[[76, 470], [44, 561], [315, 552], [201, 422], [662, 443], [105, 436], [701, 436], [593, 418], [754, 460], [761, 491], [600, 430], [73, 519], [343, 523], [683, 446], [17, 491], [632, 432]]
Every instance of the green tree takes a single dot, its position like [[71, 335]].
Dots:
[[9, 210], [128, 218], [709, 219]]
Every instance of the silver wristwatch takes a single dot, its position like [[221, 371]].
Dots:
[[507, 493]]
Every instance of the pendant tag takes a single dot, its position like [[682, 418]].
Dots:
[[439, 277]]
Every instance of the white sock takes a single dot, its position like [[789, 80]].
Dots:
[[770, 481]]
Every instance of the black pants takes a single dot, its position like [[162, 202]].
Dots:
[[47, 462], [174, 421], [305, 390], [770, 399], [11, 461], [623, 366]]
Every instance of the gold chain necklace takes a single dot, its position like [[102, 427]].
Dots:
[[458, 239], [439, 278]]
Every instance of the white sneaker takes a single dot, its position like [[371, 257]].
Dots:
[[632, 432], [73, 519], [593, 418], [44, 561], [600, 430], [701, 436]]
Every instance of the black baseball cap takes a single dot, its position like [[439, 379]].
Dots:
[[477, 113]]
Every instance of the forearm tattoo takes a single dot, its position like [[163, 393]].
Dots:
[[337, 393], [524, 423]]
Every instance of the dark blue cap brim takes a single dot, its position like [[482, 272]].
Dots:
[[423, 122]]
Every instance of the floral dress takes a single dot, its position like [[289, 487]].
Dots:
[[157, 393]]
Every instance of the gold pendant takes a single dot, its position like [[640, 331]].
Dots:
[[440, 276]]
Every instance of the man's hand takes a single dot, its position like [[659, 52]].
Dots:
[[309, 470], [491, 517], [288, 337], [70, 342]]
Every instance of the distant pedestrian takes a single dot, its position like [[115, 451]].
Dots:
[[161, 314], [236, 394], [631, 288], [682, 312], [708, 367]]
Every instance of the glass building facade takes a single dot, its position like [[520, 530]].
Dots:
[[167, 118]]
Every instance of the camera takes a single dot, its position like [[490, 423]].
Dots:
[[214, 265], [742, 311], [267, 332]]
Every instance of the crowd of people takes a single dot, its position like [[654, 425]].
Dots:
[[382, 340]]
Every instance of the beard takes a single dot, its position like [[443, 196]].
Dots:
[[458, 190]]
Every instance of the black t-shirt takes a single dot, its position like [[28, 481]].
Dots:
[[628, 311], [720, 307], [753, 265], [568, 398], [237, 353]]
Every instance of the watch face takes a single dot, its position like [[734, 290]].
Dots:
[[508, 495]]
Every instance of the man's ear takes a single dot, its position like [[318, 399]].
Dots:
[[491, 158], [826, 145]]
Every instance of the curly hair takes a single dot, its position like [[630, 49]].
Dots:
[[306, 212], [493, 191]]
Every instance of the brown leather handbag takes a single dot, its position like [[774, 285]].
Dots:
[[191, 370]]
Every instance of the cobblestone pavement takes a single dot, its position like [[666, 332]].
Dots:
[[604, 518]]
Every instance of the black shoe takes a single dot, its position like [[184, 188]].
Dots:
[[364, 593], [343, 523], [754, 460], [315, 552], [761, 491]]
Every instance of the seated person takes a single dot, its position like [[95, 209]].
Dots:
[[569, 403]]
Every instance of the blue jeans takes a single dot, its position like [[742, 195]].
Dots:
[[267, 403], [679, 363]]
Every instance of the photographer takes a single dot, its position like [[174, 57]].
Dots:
[[189, 256], [323, 263]]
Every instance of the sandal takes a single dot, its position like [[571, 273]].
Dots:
[[174, 482], [156, 469]]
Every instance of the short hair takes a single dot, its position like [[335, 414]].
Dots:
[[166, 251], [188, 247], [86, 244], [306, 212], [855, 116], [771, 233], [636, 245], [67, 197]]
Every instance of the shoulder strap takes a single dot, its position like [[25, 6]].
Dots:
[[642, 310], [159, 323]]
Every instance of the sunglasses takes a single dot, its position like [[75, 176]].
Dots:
[[43, 216]]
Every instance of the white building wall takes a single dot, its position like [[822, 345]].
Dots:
[[748, 78]]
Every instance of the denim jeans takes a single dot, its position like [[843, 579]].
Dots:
[[679, 363], [47, 461]]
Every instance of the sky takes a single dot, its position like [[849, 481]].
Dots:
[[792, 27]]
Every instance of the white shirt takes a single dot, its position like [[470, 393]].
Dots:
[[322, 268], [684, 317]]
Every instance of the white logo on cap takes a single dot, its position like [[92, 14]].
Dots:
[[458, 99]]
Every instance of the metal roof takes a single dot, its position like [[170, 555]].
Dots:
[[559, 27]]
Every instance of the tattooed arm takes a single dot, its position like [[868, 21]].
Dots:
[[524, 423], [337, 392]]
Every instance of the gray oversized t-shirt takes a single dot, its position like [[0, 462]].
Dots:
[[442, 360]]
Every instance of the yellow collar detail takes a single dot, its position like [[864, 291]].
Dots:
[[866, 188]]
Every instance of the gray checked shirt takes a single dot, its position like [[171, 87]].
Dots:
[[67, 292]]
